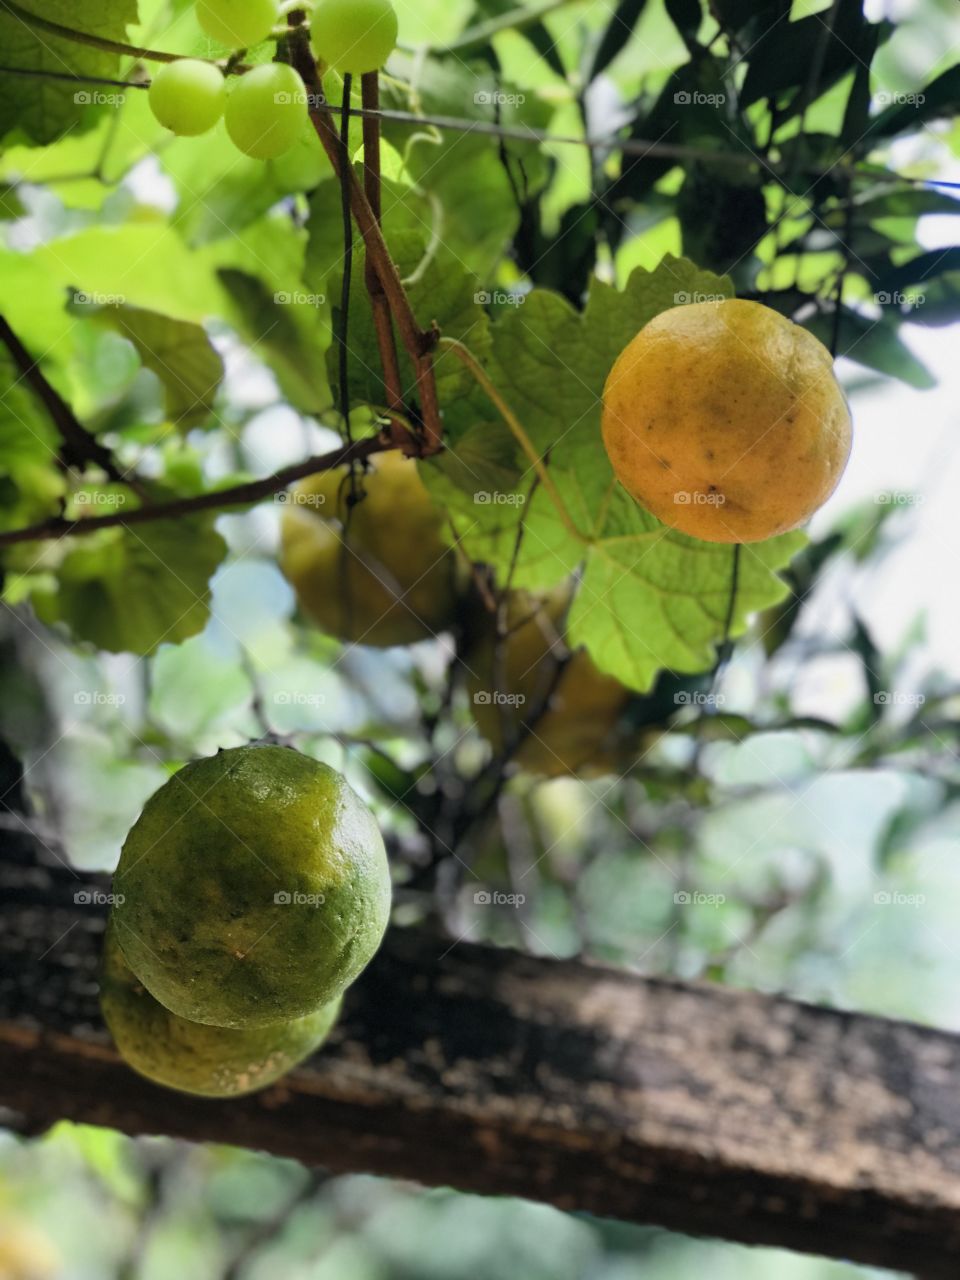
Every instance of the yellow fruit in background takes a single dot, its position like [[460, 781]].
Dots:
[[25, 1253], [726, 421], [579, 731], [382, 574]]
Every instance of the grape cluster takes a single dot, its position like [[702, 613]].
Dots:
[[265, 110]]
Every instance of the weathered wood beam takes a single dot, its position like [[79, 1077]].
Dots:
[[703, 1109]]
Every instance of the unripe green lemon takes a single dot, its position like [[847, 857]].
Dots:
[[726, 421], [217, 1062], [252, 889], [187, 96], [354, 35], [379, 573]]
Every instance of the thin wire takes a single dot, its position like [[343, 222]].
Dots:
[[626, 146]]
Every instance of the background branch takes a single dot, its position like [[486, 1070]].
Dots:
[[702, 1109], [240, 495], [79, 444]]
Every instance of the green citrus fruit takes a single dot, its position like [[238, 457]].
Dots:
[[580, 729], [382, 575], [726, 421], [218, 1062], [252, 889]]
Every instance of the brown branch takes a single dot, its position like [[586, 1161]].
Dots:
[[79, 444], [240, 495], [419, 342], [706, 1110], [379, 305]]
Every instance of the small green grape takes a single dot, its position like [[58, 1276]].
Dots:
[[187, 96], [354, 35], [238, 24], [267, 110]]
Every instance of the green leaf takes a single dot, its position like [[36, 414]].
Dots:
[[41, 109], [475, 181], [284, 329], [693, 108], [536, 33], [941, 97], [919, 270], [11, 206], [550, 363], [830, 43], [618, 31], [905, 203], [139, 265], [30, 482], [178, 352], [874, 344], [686, 16], [653, 598], [734, 15], [222, 191], [129, 590]]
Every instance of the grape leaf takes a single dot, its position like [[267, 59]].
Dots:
[[41, 109], [178, 352], [30, 484], [650, 597], [475, 181], [129, 590], [281, 332], [221, 191], [139, 265], [11, 206]]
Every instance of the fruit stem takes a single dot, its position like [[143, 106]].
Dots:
[[470, 362]]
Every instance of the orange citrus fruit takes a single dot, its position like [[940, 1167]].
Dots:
[[726, 421]]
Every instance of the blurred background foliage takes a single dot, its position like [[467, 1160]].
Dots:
[[792, 824]]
